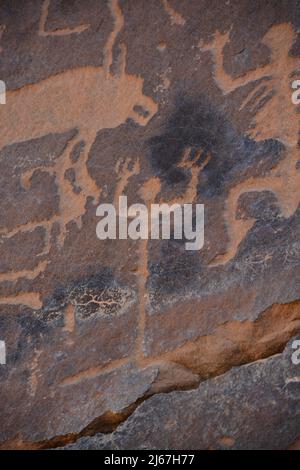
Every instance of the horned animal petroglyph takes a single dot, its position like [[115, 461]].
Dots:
[[85, 99], [276, 117]]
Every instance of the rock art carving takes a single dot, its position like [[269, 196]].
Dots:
[[275, 117], [58, 32], [175, 17], [86, 99], [193, 161], [125, 169], [2, 29]]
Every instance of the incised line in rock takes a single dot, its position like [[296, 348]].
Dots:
[[2, 29], [30, 299], [276, 117], [125, 169], [87, 99], [26, 273], [266, 350], [57, 32], [148, 193], [175, 17]]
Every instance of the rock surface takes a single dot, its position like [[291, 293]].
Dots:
[[162, 101], [254, 406]]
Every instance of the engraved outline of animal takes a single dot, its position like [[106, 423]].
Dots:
[[85, 98], [284, 180]]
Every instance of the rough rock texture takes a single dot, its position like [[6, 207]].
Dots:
[[163, 101], [255, 406]]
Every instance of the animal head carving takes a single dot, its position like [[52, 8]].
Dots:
[[280, 38]]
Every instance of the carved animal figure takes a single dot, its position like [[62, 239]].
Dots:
[[275, 117], [86, 99]]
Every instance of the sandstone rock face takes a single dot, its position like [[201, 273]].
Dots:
[[164, 101], [255, 406]]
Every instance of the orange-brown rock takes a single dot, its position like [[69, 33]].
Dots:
[[164, 102]]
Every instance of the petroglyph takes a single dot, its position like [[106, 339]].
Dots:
[[34, 373], [28, 274], [194, 161], [194, 164], [2, 29], [117, 15], [86, 99], [57, 32], [175, 17], [69, 318], [276, 117], [30, 299], [94, 372], [125, 169], [87, 302]]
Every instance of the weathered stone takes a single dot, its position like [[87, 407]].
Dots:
[[164, 102], [255, 406]]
